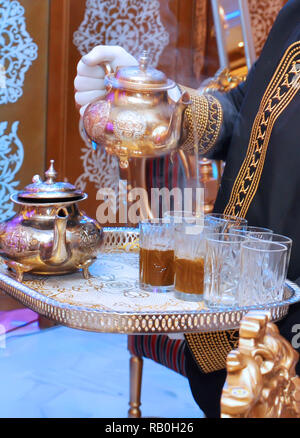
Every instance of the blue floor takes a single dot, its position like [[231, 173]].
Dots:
[[61, 372]]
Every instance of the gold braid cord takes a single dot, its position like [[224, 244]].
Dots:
[[281, 91], [211, 349], [202, 122]]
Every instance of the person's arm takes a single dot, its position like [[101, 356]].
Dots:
[[210, 119]]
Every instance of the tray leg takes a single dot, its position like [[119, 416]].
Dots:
[[136, 369]]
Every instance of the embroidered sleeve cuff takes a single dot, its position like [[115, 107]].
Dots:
[[202, 122]]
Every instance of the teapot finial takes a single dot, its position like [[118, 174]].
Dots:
[[51, 173], [144, 60]]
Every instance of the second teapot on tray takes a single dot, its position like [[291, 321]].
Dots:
[[49, 235]]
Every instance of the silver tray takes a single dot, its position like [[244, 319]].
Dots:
[[112, 302]]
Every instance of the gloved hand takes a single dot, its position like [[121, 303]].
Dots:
[[89, 82]]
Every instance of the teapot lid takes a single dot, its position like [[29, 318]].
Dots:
[[49, 191], [140, 77]]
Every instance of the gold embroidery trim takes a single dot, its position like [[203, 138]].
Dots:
[[281, 91], [202, 122], [210, 350]]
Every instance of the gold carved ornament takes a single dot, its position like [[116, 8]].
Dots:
[[261, 378], [224, 80], [210, 349]]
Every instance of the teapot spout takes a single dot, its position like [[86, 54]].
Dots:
[[177, 117], [182, 104], [60, 253]]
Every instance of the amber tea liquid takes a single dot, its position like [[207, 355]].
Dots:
[[156, 267], [189, 275]]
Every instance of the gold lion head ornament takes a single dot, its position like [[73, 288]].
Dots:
[[261, 378]]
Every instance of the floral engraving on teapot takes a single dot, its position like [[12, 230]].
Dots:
[[88, 235], [20, 241], [100, 111], [130, 125]]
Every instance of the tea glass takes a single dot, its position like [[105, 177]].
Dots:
[[256, 232], [183, 216], [156, 256], [222, 269], [226, 222], [279, 238], [189, 260], [263, 272]]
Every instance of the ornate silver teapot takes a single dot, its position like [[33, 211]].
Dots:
[[136, 118], [49, 234]]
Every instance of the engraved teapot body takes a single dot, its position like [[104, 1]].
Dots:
[[49, 235], [136, 118]]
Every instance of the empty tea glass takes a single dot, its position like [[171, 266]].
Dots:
[[226, 222], [190, 250], [183, 216], [222, 269], [256, 232], [263, 272], [279, 238], [156, 256]]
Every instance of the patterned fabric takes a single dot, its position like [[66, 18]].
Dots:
[[11, 160], [161, 349], [263, 14], [132, 24], [17, 51]]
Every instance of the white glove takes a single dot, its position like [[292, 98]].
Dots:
[[89, 82]]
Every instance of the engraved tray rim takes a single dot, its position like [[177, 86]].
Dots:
[[141, 322]]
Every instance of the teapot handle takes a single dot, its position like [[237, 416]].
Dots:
[[107, 68]]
